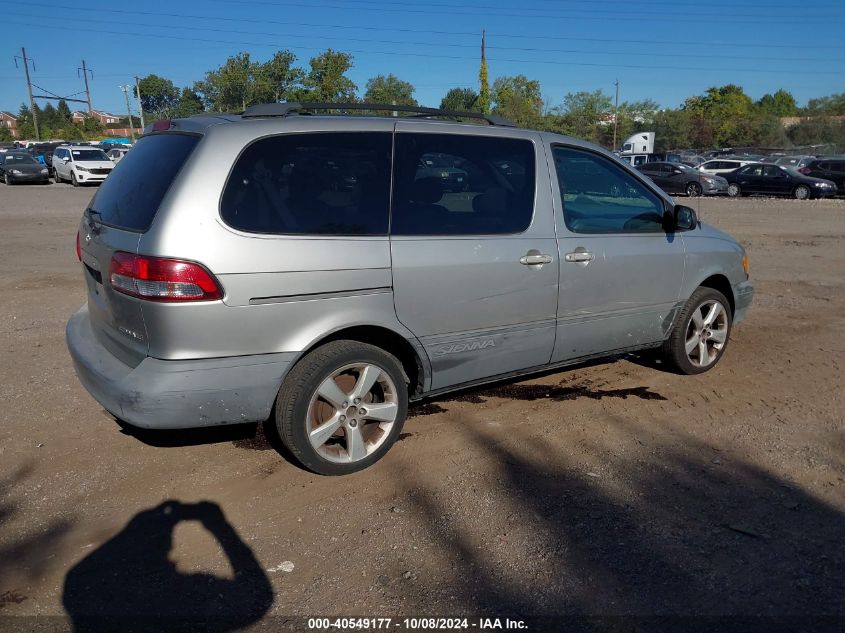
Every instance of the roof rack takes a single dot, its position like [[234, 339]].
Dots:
[[284, 109]]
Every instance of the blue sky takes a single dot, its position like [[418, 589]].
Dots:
[[665, 50]]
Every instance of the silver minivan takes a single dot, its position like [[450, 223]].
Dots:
[[323, 271]]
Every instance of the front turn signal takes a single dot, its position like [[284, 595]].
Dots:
[[745, 264]]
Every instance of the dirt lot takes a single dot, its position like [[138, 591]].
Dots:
[[607, 490]]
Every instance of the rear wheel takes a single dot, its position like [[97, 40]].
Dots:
[[342, 407], [734, 190], [6, 179], [701, 333], [802, 192], [693, 190]]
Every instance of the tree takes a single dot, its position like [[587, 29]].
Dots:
[[582, 114], [158, 96], [5, 134], [326, 80], [64, 113], [461, 99], [832, 105], [389, 90], [276, 79], [189, 104], [519, 99], [49, 117], [483, 85], [230, 88], [781, 103], [720, 116]]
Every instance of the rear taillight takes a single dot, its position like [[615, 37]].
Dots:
[[78, 248], [804, 170], [159, 279], [162, 125]]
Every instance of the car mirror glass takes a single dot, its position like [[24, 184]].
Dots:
[[684, 218]]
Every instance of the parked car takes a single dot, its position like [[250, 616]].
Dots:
[[722, 166], [80, 164], [774, 180], [796, 162], [116, 154], [444, 169], [676, 178], [832, 168], [229, 279], [19, 166]]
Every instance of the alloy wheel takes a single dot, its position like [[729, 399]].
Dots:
[[707, 333], [352, 413]]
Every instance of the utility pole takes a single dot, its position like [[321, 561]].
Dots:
[[138, 97], [26, 61], [128, 111], [85, 72], [616, 115]]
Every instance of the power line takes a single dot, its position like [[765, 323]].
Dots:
[[779, 71], [616, 15], [421, 43], [626, 53], [265, 21]]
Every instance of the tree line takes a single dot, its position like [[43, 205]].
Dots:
[[723, 116]]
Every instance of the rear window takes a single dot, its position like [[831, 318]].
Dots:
[[131, 195]]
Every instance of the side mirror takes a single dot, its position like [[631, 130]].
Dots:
[[684, 218], [65, 160]]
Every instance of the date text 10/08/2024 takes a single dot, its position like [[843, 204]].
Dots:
[[412, 624]]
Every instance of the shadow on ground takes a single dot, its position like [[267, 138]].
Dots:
[[679, 530], [130, 583]]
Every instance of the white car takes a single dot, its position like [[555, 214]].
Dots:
[[116, 154], [719, 166], [80, 164]]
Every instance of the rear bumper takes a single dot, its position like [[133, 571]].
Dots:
[[743, 295], [168, 394]]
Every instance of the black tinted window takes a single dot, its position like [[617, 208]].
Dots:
[[462, 185], [601, 197], [131, 195], [837, 166], [314, 184]]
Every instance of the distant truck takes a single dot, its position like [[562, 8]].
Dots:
[[639, 149]]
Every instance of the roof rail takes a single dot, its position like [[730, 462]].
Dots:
[[284, 109]]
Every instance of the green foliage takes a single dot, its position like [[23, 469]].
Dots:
[[781, 103], [5, 134], [518, 99], [189, 104], [484, 88], [326, 80], [582, 114], [461, 99], [389, 89], [158, 97], [833, 105]]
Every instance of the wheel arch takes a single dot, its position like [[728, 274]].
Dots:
[[721, 283], [411, 356]]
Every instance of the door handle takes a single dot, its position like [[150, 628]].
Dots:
[[579, 257], [535, 258]]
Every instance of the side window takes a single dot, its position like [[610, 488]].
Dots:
[[639, 160], [599, 197], [447, 184], [772, 171], [713, 164], [311, 184], [840, 167], [754, 170]]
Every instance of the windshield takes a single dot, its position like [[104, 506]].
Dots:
[[83, 155], [20, 159]]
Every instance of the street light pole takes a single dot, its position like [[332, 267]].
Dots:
[[616, 115], [138, 97], [128, 111]]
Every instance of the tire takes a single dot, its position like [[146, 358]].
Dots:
[[73, 179], [56, 177], [802, 192], [693, 189], [698, 334], [734, 190], [334, 372], [6, 180]]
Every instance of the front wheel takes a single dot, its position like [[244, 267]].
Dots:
[[701, 333], [342, 407], [73, 179], [734, 190], [802, 192], [693, 190]]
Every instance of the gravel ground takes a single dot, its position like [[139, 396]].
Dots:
[[613, 489]]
